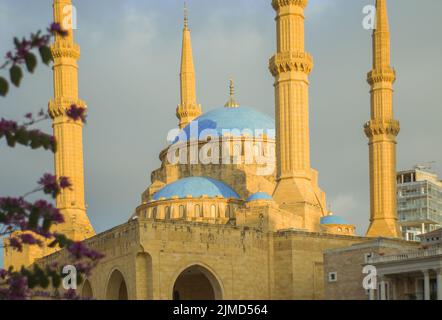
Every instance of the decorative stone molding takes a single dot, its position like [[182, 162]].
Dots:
[[57, 107], [188, 110], [377, 127], [382, 75], [62, 49], [282, 3], [291, 61]]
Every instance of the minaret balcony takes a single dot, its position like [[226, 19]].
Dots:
[[277, 4], [291, 61], [381, 75], [382, 127]]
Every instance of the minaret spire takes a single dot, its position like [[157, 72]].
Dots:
[[68, 133], [381, 131], [296, 190], [188, 109], [232, 102], [186, 16]]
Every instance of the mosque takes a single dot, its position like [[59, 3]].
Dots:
[[235, 210]]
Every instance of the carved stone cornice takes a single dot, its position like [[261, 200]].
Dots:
[[62, 49], [381, 75], [378, 127], [282, 3], [188, 110], [57, 107], [291, 61]]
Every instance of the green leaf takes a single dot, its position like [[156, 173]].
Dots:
[[22, 136], [45, 141], [45, 54], [47, 223], [10, 139], [33, 218], [4, 87], [16, 75], [31, 61], [56, 280]]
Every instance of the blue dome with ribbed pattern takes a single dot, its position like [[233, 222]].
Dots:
[[195, 187], [259, 196], [216, 122], [333, 220]]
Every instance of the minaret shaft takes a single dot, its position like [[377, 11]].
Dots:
[[382, 130], [291, 66], [297, 189], [188, 109], [68, 133]]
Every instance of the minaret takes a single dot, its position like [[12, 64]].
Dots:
[[297, 190], [68, 133], [381, 131], [188, 109]]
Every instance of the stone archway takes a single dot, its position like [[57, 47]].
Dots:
[[86, 291], [116, 287], [197, 283]]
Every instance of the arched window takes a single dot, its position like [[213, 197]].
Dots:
[[213, 211], [198, 212], [227, 211], [167, 213], [182, 211], [154, 213]]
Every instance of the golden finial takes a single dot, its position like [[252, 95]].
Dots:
[[186, 16], [232, 102]]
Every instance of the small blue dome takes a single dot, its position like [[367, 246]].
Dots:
[[333, 220], [259, 196], [243, 119], [196, 187]]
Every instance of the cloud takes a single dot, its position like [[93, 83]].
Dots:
[[343, 204], [319, 7], [138, 28]]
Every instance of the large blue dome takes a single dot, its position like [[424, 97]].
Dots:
[[259, 196], [196, 187], [218, 120], [333, 220]]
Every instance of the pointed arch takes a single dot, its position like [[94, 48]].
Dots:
[[116, 288], [86, 290], [197, 282]]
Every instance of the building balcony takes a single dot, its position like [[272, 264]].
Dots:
[[410, 255]]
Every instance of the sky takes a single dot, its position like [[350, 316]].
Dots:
[[129, 77]]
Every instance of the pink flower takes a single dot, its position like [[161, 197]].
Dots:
[[77, 113], [65, 183]]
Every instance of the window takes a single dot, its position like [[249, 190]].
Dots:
[[228, 211], [182, 211], [154, 213], [332, 276], [167, 213], [198, 212], [213, 211]]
